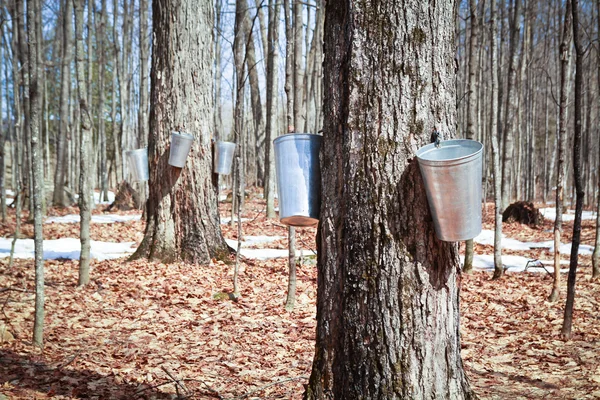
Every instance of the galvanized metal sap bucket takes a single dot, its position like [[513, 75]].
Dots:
[[452, 176], [138, 161], [298, 178], [181, 143], [224, 157]]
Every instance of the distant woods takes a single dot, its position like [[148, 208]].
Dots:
[[532, 47], [263, 50]]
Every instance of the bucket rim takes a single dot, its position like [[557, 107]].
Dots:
[[183, 135], [136, 151], [297, 136], [224, 143], [474, 144]]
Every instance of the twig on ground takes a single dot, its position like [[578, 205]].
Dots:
[[260, 389], [176, 381]]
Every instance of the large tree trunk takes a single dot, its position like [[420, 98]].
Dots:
[[183, 219], [579, 54], [85, 171], [36, 169], [65, 85], [565, 55], [388, 292]]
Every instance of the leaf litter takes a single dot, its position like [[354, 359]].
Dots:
[[155, 331]]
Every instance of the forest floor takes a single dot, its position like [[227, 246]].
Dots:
[[148, 330]]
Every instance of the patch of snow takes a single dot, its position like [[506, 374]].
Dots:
[[550, 214], [9, 193], [264, 254], [68, 248], [111, 197], [252, 240], [99, 219], [226, 220], [513, 263], [487, 237]]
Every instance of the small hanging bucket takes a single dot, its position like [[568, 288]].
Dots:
[[452, 177], [181, 143], [223, 157], [298, 178], [138, 162]]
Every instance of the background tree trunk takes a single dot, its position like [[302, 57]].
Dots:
[[272, 101], [100, 32], [494, 117], [85, 171], [579, 54], [387, 304], [65, 86], [471, 107], [596, 254], [565, 55], [36, 167], [183, 219]]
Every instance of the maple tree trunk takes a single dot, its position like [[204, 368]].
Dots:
[[388, 292], [101, 100], [183, 219], [510, 108], [494, 131], [580, 194], [65, 85], [272, 101], [565, 55], [596, 254], [471, 108], [36, 167], [85, 172]]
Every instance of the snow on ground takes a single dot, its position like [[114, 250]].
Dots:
[[512, 263], [550, 214], [99, 219], [226, 220], [252, 240], [66, 248], [487, 237], [111, 198]]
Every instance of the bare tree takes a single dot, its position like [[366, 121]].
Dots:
[[565, 55], [85, 172], [596, 254], [494, 116], [579, 54], [36, 166], [272, 101]]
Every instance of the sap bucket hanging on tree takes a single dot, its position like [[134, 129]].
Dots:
[[298, 178], [138, 162], [451, 171], [181, 143], [223, 157]]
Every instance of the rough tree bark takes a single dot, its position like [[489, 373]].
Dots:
[[36, 167], [388, 291], [183, 219], [580, 194], [58, 198], [565, 55]]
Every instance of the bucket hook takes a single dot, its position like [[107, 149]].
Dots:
[[436, 137]]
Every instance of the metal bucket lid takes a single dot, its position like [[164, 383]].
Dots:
[[450, 152]]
